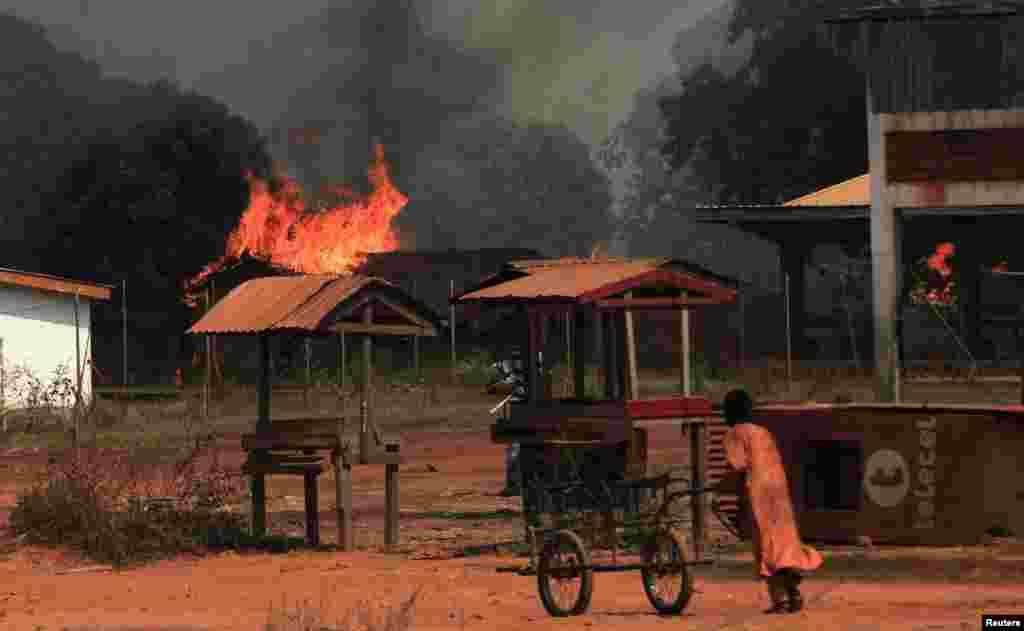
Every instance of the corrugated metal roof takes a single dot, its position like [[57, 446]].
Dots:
[[853, 192], [928, 9], [288, 303], [534, 264], [258, 305], [57, 284], [584, 280], [311, 313]]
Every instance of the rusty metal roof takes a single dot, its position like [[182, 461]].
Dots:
[[298, 303], [923, 9], [586, 280], [535, 264], [57, 284], [311, 313], [853, 192]]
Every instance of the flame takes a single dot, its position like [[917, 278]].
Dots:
[[939, 262], [280, 229]]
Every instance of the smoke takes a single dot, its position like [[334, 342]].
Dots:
[[403, 71]]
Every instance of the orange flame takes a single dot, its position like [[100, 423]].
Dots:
[[939, 262], [280, 229]]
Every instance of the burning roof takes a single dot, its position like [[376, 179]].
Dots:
[[587, 280], [314, 303], [279, 228]]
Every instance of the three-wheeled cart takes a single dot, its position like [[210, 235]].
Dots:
[[582, 460]]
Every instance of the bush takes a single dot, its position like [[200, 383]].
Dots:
[[86, 503]]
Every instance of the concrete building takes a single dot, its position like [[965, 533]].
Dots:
[[945, 131], [38, 316]]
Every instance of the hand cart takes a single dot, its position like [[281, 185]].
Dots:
[[587, 516]]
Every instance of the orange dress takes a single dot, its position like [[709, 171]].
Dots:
[[751, 449]]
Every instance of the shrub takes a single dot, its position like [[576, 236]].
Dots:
[[86, 502]]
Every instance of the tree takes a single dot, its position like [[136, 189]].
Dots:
[[169, 187], [791, 120]]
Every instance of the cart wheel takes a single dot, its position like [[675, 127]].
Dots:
[[667, 581], [564, 577]]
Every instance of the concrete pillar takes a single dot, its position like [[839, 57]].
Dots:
[[886, 271]]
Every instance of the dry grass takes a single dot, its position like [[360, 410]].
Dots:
[[304, 616]]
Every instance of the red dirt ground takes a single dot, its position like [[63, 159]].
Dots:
[[231, 591]]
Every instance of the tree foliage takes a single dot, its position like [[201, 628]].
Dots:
[[110, 180], [791, 120], [169, 187]]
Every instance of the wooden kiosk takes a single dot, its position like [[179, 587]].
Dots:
[[604, 292], [319, 305]]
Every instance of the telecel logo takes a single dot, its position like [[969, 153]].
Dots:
[[924, 484]]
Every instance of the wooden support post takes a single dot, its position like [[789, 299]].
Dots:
[[544, 360], [365, 404], [78, 377], [343, 497], [698, 446], [263, 395], [308, 349], [1020, 355], [632, 377], [258, 482], [607, 326], [415, 343], [342, 362], [685, 359], [579, 358], [391, 505], [621, 361], [209, 364], [312, 509], [530, 357]]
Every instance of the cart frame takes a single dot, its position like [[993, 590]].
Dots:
[[588, 297]]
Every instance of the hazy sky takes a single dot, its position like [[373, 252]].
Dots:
[[581, 67]]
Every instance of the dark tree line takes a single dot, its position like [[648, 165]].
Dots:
[[790, 121], [109, 180]]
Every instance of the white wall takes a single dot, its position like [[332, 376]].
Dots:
[[38, 333]]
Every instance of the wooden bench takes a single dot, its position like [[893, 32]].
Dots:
[[308, 466], [291, 446]]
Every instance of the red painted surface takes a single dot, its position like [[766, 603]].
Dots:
[[931, 194], [670, 407]]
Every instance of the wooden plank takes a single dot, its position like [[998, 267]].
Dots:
[[955, 155], [382, 329], [312, 426], [290, 459], [366, 396], [270, 468], [579, 355], [698, 453], [343, 499], [602, 318], [391, 504], [632, 374], [259, 505], [312, 509], [289, 441], [684, 352], [385, 457], [654, 303]]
